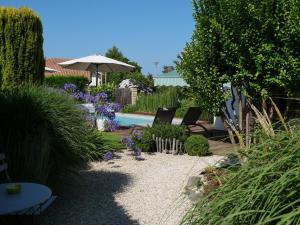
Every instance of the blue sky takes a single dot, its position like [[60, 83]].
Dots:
[[144, 30]]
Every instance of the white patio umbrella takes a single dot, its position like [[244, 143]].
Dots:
[[47, 69], [97, 63]]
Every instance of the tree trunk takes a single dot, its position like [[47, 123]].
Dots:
[[248, 111]]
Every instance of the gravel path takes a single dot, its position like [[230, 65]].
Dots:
[[126, 191]]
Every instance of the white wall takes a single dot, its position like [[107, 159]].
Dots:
[[93, 80]]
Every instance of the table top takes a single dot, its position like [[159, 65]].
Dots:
[[31, 194]]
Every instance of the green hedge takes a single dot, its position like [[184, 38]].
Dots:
[[44, 132], [21, 47], [58, 81]]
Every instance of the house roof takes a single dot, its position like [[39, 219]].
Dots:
[[169, 79], [52, 63]]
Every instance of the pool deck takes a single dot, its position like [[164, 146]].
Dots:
[[216, 143]]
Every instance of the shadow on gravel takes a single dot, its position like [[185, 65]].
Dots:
[[87, 199]]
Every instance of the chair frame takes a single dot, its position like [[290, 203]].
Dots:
[[190, 120]]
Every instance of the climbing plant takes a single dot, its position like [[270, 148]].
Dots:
[[21, 47]]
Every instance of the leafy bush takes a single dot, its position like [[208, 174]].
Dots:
[[109, 89], [143, 82], [58, 81], [196, 145], [21, 47], [142, 140], [44, 132], [265, 191]]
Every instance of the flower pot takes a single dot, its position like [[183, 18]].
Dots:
[[100, 121]]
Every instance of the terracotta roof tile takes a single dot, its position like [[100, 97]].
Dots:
[[53, 64]]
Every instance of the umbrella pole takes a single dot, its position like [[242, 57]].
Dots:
[[96, 75]]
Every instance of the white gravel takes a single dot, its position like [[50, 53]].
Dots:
[[127, 191]]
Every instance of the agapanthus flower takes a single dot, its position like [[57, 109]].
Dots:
[[102, 96], [106, 111], [115, 106], [70, 88], [111, 125], [108, 156], [138, 134], [137, 152], [128, 142]]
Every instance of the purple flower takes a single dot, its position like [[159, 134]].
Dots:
[[128, 141], [138, 134], [137, 152], [108, 156], [70, 88], [111, 125], [106, 111], [103, 97], [115, 106]]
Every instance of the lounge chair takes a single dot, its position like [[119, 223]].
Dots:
[[191, 117], [164, 115]]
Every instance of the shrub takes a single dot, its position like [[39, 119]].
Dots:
[[21, 47], [109, 89], [143, 139], [168, 131], [44, 132], [58, 81], [264, 191], [196, 145]]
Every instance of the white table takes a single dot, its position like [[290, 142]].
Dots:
[[31, 195]]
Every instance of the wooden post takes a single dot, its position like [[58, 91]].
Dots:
[[248, 111], [133, 91], [240, 111]]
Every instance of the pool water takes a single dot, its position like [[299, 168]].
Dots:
[[129, 120]]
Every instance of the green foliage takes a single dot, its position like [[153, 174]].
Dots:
[[150, 103], [168, 69], [58, 81], [116, 78], [109, 89], [112, 142], [141, 81], [166, 131], [252, 44], [196, 145], [264, 191], [21, 47], [44, 132], [143, 139], [143, 143]]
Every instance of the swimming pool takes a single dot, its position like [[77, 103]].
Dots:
[[129, 120]]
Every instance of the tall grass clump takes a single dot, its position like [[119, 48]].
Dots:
[[149, 103], [265, 191], [43, 132]]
